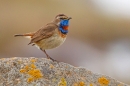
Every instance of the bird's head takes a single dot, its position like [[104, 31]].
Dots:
[[62, 17], [63, 22]]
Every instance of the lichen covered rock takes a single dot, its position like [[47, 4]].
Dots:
[[44, 72]]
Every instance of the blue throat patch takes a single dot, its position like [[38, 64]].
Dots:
[[62, 24]]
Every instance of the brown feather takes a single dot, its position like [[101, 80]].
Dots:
[[44, 32], [27, 34], [62, 35]]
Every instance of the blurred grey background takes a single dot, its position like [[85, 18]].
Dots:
[[98, 39]]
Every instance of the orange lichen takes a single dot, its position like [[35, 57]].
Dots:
[[30, 79], [32, 71], [103, 81], [36, 74], [33, 60], [22, 71], [81, 83], [26, 67], [62, 82], [91, 84], [33, 66]]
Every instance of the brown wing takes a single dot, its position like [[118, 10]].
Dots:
[[44, 33]]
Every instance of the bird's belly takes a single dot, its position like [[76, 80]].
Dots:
[[51, 42]]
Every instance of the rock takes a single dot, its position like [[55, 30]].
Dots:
[[19, 71]]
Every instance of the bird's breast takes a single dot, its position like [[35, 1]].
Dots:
[[51, 42]]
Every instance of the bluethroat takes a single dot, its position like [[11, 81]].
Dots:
[[51, 35]]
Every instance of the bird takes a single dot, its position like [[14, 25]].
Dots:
[[51, 35]]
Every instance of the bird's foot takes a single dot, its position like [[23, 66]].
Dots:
[[52, 59]]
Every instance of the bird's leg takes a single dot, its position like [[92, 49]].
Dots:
[[48, 55]]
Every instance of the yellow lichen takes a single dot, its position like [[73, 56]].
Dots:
[[33, 60], [91, 84], [30, 79], [62, 82], [33, 66], [36, 74], [22, 71], [81, 83], [103, 81], [26, 67], [32, 71]]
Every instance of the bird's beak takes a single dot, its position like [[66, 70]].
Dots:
[[69, 18]]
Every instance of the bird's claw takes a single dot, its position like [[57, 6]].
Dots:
[[52, 59]]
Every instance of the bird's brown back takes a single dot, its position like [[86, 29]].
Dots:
[[44, 32]]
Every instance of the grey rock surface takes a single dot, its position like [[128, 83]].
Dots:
[[19, 71]]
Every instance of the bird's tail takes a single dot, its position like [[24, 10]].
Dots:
[[18, 35], [27, 34]]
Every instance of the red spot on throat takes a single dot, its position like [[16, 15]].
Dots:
[[65, 27]]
